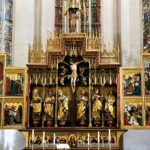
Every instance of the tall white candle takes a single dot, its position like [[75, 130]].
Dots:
[[32, 146], [98, 135], [43, 137], [32, 135], [54, 138], [109, 135], [88, 139]]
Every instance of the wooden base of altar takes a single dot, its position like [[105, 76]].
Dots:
[[86, 148], [67, 133]]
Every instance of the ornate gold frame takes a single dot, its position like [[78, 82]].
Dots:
[[16, 71], [128, 71], [134, 99], [13, 99], [146, 101], [145, 57], [3, 58], [117, 135]]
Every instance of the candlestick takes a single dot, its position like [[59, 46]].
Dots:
[[98, 137], [32, 135], [54, 138], [88, 139]]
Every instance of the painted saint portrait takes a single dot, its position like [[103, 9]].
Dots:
[[13, 114], [2, 62], [147, 77], [133, 114], [14, 84], [132, 83], [147, 113]]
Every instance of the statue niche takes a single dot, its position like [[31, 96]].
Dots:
[[72, 12]]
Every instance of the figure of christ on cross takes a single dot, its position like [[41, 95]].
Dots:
[[73, 66]]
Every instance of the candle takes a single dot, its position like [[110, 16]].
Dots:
[[32, 135], [109, 135], [32, 146], [54, 139], [88, 139], [98, 137], [43, 137]]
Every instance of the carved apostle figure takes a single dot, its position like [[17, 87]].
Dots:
[[82, 106], [49, 103], [96, 106], [36, 105], [110, 99], [63, 103]]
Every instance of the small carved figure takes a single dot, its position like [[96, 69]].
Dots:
[[112, 140], [80, 140], [63, 75], [38, 140], [50, 140], [82, 78]]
